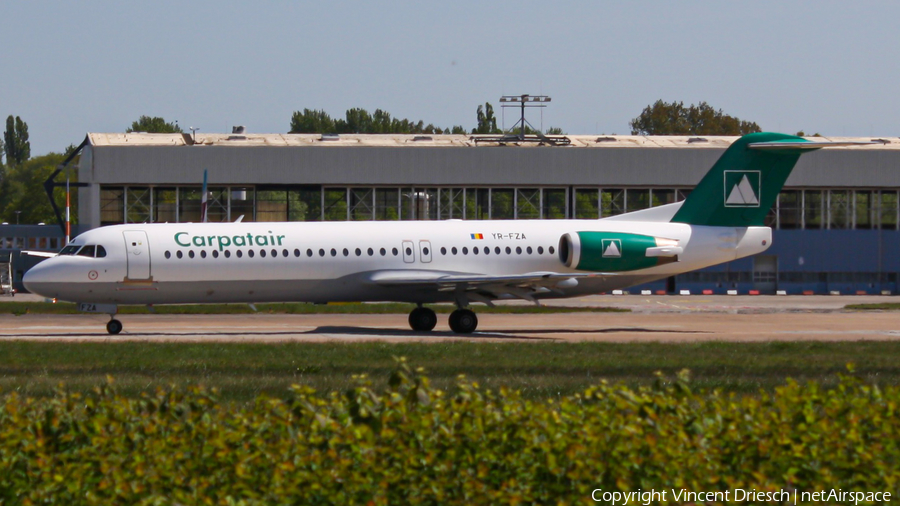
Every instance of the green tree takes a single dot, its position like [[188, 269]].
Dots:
[[154, 125], [663, 118], [312, 121], [23, 190], [15, 141], [487, 123]]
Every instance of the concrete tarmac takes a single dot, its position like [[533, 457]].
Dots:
[[652, 319]]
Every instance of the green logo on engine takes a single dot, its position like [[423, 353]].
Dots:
[[611, 248]]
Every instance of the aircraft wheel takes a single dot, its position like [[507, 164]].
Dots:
[[114, 326], [422, 319], [463, 321]]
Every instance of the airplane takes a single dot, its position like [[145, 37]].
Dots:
[[421, 262]]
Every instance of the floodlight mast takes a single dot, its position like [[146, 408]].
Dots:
[[523, 101]]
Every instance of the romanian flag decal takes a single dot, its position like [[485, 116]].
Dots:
[[477, 236]]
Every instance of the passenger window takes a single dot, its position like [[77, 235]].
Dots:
[[453, 250], [383, 252], [540, 250], [227, 253], [346, 252], [296, 253], [358, 252], [321, 252], [87, 251], [191, 253], [487, 250], [262, 253], [179, 254], [518, 250], [275, 253], [465, 250], [309, 252], [443, 250], [333, 252], [250, 253], [370, 252], [239, 253], [528, 250], [394, 251], [474, 250], [215, 254], [203, 253], [551, 250], [168, 255]]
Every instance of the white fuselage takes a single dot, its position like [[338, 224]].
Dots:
[[336, 261]]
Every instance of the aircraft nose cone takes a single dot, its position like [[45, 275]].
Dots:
[[39, 279]]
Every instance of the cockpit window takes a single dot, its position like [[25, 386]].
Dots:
[[87, 251], [101, 251], [70, 249]]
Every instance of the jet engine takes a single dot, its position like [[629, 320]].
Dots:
[[615, 251]]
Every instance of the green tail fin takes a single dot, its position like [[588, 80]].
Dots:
[[741, 187]]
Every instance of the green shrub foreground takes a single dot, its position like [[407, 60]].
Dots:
[[413, 444]]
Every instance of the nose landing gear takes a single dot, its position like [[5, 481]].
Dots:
[[114, 326]]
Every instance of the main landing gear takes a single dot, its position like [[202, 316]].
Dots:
[[462, 321]]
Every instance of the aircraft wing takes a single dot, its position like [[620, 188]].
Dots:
[[484, 287], [44, 254]]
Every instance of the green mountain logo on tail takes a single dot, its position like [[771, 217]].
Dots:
[[742, 188]]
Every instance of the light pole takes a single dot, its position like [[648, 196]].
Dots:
[[17, 216]]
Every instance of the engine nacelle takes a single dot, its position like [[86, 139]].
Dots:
[[615, 251]]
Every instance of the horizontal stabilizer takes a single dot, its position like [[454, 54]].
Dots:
[[805, 145]]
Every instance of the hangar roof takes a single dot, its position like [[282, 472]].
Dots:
[[400, 140]]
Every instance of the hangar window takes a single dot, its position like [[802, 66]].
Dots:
[[612, 202], [227, 253], [812, 209], [203, 253], [888, 208], [191, 253], [179, 254]]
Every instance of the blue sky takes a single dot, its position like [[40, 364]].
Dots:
[[74, 67]]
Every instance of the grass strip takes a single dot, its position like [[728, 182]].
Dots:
[[20, 308], [881, 306], [241, 371]]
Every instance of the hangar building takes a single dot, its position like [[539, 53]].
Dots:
[[836, 221]]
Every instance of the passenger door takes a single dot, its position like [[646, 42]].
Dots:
[[137, 249], [409, 255], [425, 251]]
